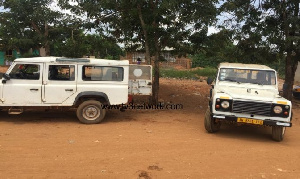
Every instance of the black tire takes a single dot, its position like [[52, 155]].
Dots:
[[209, 122], [90, 112], [278, 133]]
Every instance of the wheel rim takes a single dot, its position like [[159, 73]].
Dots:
[[91, 112]]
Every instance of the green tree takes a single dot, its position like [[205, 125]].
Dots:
[[75, 44], [28, 23], [148, 24], [103, 47], [267, 29], [210, 50]]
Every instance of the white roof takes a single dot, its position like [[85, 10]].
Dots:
[[64, 60], [244, 66]]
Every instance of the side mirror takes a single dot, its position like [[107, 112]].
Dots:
[[6, 76], [209, 80]]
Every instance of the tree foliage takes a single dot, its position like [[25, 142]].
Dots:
[[151, 25], [81, 44], [267, 29], [28, 23], [211, 50]]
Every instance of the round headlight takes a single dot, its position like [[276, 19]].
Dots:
[[225, 104], [277, 109]]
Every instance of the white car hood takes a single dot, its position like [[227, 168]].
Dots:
[[249, 92]]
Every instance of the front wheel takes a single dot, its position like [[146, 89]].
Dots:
[[209, 122], [278, 133], [90, 112]]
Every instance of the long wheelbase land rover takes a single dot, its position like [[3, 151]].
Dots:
[[247, 94], [87, 85]]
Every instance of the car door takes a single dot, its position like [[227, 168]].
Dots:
[[24, 86], [59, 83]]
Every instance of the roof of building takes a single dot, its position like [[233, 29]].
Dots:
[[72, 60], [244, 66]]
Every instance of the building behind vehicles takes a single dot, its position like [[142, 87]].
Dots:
[[87, 85], [247, 94]]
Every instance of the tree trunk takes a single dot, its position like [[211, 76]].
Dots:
[[287, 81], [155, 87], [291, 63], [147, 56], [45, 35], [47, 45], [47, 48]]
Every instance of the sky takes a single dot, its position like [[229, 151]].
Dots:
[[212, 30], [1, 9]]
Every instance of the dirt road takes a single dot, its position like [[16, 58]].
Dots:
[[145, 143]]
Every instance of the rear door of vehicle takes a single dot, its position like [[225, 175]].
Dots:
[[59, 83], [140, 80]]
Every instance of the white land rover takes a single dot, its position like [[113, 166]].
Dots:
[[247, 94], [65, 83]]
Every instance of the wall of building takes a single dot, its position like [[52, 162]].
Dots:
[[3, 54], [171, 61], [2, 57], [37, 52], [133, 56]]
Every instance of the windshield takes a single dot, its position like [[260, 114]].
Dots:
[[261, 77]]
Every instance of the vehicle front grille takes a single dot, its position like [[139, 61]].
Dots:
[[250, 107]]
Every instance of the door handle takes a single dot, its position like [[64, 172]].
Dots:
[[68, 89], [34, 89]]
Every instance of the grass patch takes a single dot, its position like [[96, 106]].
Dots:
[[188, 74]]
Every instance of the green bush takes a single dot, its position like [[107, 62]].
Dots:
[[29, 54], [188, 74]]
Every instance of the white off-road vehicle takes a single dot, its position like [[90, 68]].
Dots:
[[247, 94], [87, 85]]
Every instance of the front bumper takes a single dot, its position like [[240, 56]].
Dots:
[[266, 122]]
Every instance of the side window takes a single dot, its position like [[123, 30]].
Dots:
[[61, 72], [25, 71], [100, 73]]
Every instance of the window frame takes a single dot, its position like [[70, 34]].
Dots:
[[17, 65], [250, 76], [71, 78], [95, 66]]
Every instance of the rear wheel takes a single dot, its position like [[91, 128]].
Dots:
[[90, 112], [278, 133], [209, 122]]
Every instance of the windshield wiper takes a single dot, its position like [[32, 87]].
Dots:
[[232, 80], [259, 83]]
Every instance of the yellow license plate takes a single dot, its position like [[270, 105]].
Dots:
[[250, 121]]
